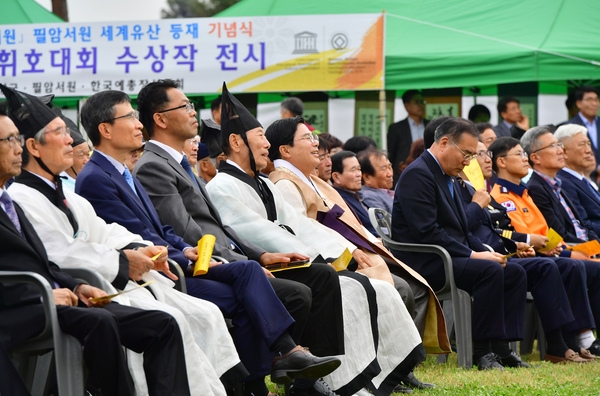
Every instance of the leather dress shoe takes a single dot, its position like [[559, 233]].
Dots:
[[402, 389], [319, 388], [573, 357], [413, 382], [595, 348], [490, 361], [584, 353], [513, 360], [300, 363]]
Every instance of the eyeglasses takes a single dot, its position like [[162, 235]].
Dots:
[[60, 131], [193, 142], [551, 146], [482, 154], [312, 138], [134, 115], [466, 156], [189, 107], [14, 140], [521, 154]]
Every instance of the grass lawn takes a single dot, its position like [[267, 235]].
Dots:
[[542, 379]]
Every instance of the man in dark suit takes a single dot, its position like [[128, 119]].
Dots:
[[579, 161], [513, 121], [546, 157], [236, 288], [101, 331], [185, 205], [402, 134], [586, 100], [427, 209]]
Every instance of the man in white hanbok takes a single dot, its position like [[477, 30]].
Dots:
[[74, 236], [248, 202]]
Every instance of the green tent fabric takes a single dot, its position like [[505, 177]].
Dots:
[[463, 43], [25, 11]]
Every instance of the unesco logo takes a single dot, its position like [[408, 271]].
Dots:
[[339, 41]]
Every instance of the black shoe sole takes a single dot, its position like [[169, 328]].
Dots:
[[312, 372]]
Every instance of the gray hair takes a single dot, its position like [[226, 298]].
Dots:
[[569, 130], [529, 141], [454, 128]]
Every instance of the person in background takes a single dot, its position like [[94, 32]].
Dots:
[[356, 144], [486, 133], [509, 109], [479, 113], [293, 107], [323, 170], [586, 100], [403, 133], [377, 178], [191, 151], [134, 157], [215, 109], [335, 145], [205, 166], [416, 149]]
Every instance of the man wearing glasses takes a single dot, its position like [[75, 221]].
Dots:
[[427, 209]]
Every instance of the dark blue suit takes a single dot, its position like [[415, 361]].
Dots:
[[425, 212], [358, 209], [577, 120], [558, 285], [240, 289], [585, 198]]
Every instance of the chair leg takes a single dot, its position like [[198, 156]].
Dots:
[[464, 337], [69, 366]]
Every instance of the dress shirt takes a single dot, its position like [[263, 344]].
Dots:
[[416, 130]]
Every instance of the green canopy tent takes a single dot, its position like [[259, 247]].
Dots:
[[464, 43], [25, 11]]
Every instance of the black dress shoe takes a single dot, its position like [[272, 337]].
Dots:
[[491, 361], [300, 363], [402, 389], [413, 382], [513, 360], [319, 388], [595, 348]]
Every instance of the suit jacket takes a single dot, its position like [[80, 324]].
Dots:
[[585, 200], [184, 206], [18, 253], [358, 209], [555, 214], [577, 120], [425, 212], [501, 129], [399, 140], [113, 200]]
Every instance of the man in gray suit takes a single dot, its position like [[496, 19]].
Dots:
[[183, 203]]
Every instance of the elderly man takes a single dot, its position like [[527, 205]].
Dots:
[[248, 202], [238, 288], [81, 153], [545, 275], [377, 179], [101, 331], [427, 210], [520, 219], [579, 159], [182, 202]]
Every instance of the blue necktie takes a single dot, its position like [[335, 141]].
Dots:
[[450, 185], [188, 169], [592, 189], [9, 208], [129, 179]]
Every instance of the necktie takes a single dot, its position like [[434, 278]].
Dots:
[[450, 185], [129, 179], [9, 208], [188, 169], [592, 189]]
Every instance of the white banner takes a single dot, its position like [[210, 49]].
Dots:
[[252, 54]]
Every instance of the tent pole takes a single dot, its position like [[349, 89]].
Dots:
[[383, 119]]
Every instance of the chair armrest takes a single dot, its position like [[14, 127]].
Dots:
[[87, 275], [8, 277], [221, 259], [176, 269]]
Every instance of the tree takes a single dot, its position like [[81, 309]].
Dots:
[[59, 8], [195, 8]]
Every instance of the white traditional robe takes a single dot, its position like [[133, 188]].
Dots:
[[209, 349], [242, 209]]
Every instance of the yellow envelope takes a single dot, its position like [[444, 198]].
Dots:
[[206, 245], [474, 174], [111, 296], [289, 268], [590, 248], [341, 263], [553, 241]]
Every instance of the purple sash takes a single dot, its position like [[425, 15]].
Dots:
[[331, 219]]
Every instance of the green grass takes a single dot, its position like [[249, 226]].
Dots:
[[542, 379]]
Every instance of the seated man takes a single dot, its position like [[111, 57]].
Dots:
[[239, 289], [74, 236], [346, 178], [81, 153], [248, 202], [427, 210], [378, 179], [520, 219], [181, 202], [100, 331], [579, 160], [557, 284], [205, 167]]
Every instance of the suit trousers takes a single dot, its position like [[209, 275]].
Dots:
[[592, 271], [102, 332], [242, 292], [499, 295]]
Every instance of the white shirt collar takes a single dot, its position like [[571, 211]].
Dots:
[[177, 156], [289, 166], [571, 171], [230, 162], [116, 164]]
